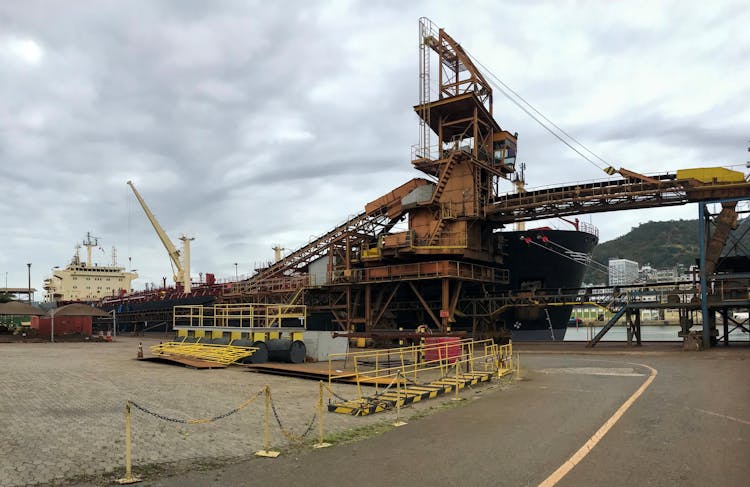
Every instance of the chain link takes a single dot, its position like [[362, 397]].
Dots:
[[197, 421], [289, 435], [411, 381], [394, 381], [330, 391]]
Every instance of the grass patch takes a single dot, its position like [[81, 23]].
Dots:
[[359, 433]]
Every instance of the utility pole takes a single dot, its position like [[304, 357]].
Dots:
[[236, 276], [29, 268]]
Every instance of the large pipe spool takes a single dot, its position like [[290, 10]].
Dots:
[[222, 340], [260, 356], [286, 350]]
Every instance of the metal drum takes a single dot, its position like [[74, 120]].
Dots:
[[260, 356], [286, 350]]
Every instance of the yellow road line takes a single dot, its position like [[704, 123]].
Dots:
[[574, 460]]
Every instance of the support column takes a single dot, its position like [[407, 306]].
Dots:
[[629, 327], [349, 327], [445, 325], [368, 307], [712, 326], [702, 236], [725, 319], [638, 327]]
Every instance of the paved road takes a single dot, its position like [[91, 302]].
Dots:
[[691, 427]]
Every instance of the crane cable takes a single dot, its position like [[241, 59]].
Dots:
[[527, 108], [590, 262]]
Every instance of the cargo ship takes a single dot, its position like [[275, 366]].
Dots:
[[545, 260]]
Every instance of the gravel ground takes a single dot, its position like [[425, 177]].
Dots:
[[62, 411]]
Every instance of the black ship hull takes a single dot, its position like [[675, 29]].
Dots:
[[544, 260]]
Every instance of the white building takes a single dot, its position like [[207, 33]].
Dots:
[[622, 272]]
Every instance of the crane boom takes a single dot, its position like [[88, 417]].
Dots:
[[174, 254]]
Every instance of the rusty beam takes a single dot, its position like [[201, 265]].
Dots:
[[385, 306], [424, 304]]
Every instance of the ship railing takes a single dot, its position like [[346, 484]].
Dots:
[[588, 228]]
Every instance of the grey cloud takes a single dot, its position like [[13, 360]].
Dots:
[[248, 123]]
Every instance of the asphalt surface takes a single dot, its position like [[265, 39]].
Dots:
[[691, 427]]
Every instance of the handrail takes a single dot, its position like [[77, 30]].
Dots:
[[377, 366], [245, 315]]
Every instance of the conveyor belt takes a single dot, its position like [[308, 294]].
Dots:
[[609, 195]]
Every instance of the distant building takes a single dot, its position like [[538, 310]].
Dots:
[[622, 272]]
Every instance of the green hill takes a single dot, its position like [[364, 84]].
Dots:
[[664, 244]]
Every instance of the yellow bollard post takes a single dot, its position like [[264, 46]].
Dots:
[[398, 401], [320, 443], [518, 365], [129, 478], [356, 375], [457, 367], [267, 452]]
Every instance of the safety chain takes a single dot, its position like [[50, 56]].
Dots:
[[197, 421], [394, 381], [340, 398], [411, 381], [291, 436]]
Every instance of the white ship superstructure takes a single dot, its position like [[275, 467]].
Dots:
[[88, 281]]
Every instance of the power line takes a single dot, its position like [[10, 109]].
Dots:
[[507, 90]]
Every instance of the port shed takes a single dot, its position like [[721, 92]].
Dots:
[[64, 325]]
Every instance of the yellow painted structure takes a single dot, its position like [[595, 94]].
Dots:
[[711, 175], [221, 354], [410, 378]]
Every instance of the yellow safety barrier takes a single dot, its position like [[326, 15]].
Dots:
[[221, 354], [241, 315], [267, 452], [270, 408], [430, 370], [320, 443]]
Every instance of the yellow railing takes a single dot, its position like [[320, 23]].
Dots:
[[419, 363], [245, 315]]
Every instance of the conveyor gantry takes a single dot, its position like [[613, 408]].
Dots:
[[609, 195], [363, 225]]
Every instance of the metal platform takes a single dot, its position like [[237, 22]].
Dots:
[[410, 393]]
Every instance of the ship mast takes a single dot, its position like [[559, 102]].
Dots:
[[89, 244]]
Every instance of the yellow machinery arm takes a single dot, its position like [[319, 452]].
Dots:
[[174, 254]]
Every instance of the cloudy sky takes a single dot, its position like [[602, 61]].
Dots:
[[246, 124]]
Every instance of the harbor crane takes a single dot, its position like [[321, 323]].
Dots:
[[180, 260]]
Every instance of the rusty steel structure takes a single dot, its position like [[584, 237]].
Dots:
[[447, 267]]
